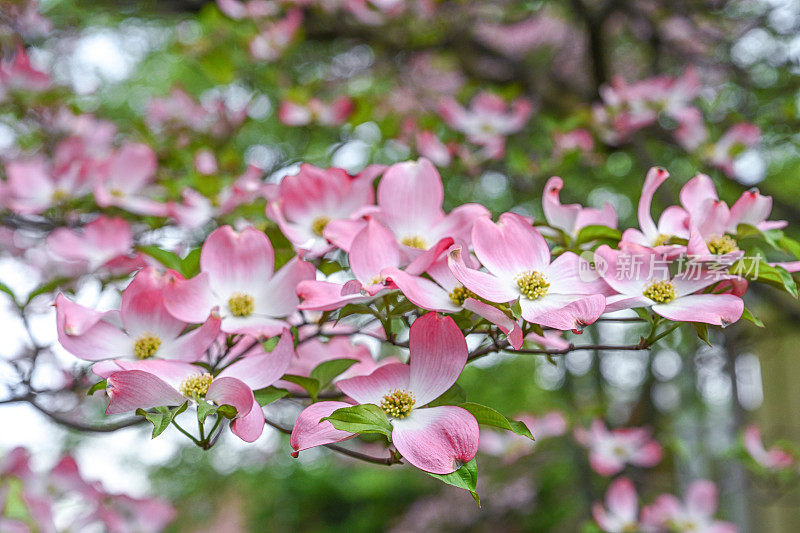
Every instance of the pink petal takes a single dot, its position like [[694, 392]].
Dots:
[[508, 325], [142, 308], [231, 391], [751, 208], [420, 291], [696, 193], [129, 390], [237, 261], [342, 232], [718, 309], [510, 247], [279, 295], [483, 284], [309, 432], [701, 498], [250, 426], [192, 346], [604, 464], [437, 439], [458, 222], [558, 216], [372, 388], [325, 296], [85, 334], [438, 355], [647, 455], [655, 177], [424, 260], [190, 300], [622, 500], [625, 270], [373, 249], [259, 368], [411, 191], [573, 315]]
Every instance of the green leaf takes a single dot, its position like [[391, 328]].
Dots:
[[489, 417], [644, 314], [269, 394], [702, 331], [310, 385], [100, 385], [365, 418], [206, 409], [165, 257], [161, 417], [326, 371], [455, 395], [754, 269], [356, 309], [50, 286], [190, 265], [597, 232], [790, 245], [465, 478], [747, 315], [6, 289]]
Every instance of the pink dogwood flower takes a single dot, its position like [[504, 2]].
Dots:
[[512, 447], [642, 278], [488, 121], [104, 242], [306, 202], [446, 294], [19, 75], [122, 181], [519, 268], [434, 439], [431, 147], [695, 513], [373, 250], [274, 38], [738, 138], [146, 384], [577, 140], [572, 218], [621, 512], [672, 223], [141, 329], [34, 185], [246, 188], [610, 451], [253, 9], [236, 278], [410, 198], [773, 459], [315, 111]]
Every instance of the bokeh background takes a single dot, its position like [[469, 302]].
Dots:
[[397, 61]]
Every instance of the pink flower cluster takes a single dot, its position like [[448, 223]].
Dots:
[[41, 493]]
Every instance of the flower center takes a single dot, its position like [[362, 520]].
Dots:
[[398, 403], [461, 293], [318, 225], [116, 193], [661, 239], [241, 304], [146, 346], [196, 385], [59, 195], [532, 284], [415, 241], [660, 291], [721, 245]]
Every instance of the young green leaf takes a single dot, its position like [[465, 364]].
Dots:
[[365, 418], [747, 315], [326, 371], [100, 385], [310, 385], [269, 394], [702, 331], [489, 417], [596, 232], [165, 257], [161, 417], [465, 478]]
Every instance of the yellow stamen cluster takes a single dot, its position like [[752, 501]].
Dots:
[[59, 195], [146, 346], [660, 291], [398, 403], [241, 304], [415, 241], [318, 225], [196, 385], [722, 245], [461, 293], [117, 193], [533, 284], [661, 239]]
